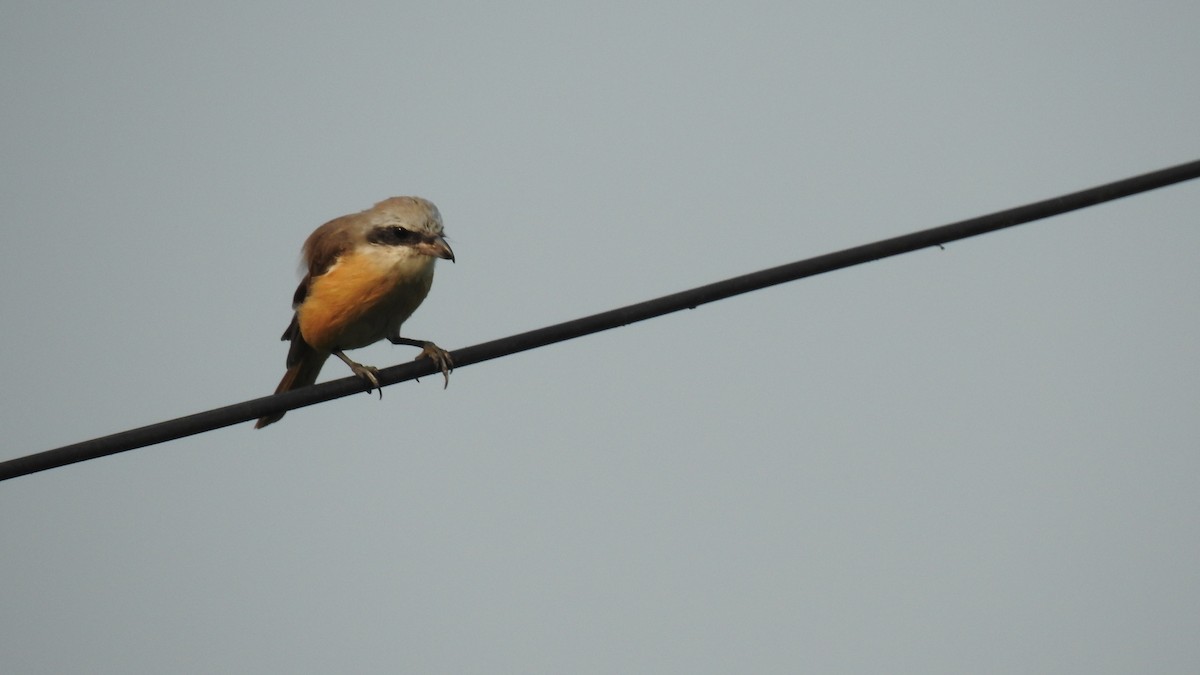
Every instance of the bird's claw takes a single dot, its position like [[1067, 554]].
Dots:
[[369, 375], [441, 358]]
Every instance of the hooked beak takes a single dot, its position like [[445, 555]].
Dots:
[[437, 247]]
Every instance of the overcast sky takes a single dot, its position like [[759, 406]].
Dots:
[[984, 459]]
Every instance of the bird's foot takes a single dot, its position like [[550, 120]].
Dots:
[[369, 375], [440, 357]]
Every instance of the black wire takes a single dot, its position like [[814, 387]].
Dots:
[[689, 299]]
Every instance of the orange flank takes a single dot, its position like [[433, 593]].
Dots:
[[356, 300]]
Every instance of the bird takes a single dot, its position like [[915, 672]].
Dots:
[[365, 274]]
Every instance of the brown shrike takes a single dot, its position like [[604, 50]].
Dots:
[[367, 273]]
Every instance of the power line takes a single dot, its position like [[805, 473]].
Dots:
[[689, 299]]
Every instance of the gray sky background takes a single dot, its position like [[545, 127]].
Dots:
[[983, 459]]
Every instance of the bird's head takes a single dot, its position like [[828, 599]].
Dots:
[[410, 222]]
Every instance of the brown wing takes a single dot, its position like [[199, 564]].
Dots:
[[321, 251], [327, 243], [299, 347]]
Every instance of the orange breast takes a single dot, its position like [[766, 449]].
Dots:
[[355, 301]]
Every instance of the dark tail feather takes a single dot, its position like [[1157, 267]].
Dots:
[[302, 374]]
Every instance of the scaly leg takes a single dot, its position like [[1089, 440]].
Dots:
[[441, 357], [367, 373]]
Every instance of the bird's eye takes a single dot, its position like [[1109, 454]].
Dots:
[[393, 236], [404, 236]]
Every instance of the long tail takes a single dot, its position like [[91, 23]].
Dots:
[[306, 365]]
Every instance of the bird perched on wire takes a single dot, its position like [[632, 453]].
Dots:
[[366, 274]]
